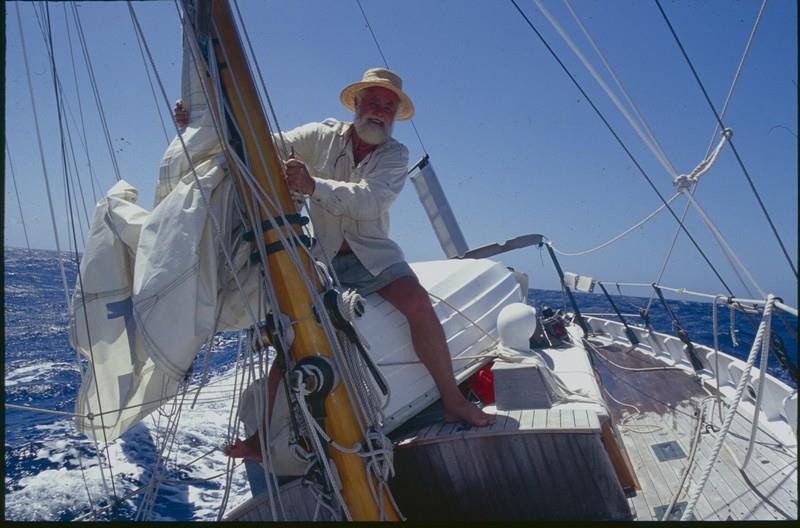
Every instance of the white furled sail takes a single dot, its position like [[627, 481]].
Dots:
[[122, 384], [155, 286]]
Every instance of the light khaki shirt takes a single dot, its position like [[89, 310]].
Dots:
[[351, 202]]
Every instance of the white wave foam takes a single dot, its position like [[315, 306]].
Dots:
[[52, 492], [36, 372]]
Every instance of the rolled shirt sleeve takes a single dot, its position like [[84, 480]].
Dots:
[[351, 202]]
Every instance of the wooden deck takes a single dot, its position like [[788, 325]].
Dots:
[[666, 402], [542, 464]]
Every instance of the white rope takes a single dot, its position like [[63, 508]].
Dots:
[[58, 245], [659, 152], [351, 304], [761, 382], [494, 339], [690, 463], [732, 320], [631, 369], [695, 493], [647, 141], [738, 72], [687, 180], [708, 149], [300, 391], [716, 350], [619, 236]]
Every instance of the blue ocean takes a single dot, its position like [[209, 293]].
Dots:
[[52, 473]]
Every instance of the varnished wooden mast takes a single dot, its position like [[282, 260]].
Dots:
[[293, 297]]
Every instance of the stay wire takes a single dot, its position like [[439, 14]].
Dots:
[[738, 73], [624, 147], [41, 154], [92, 175], [64, 130], [60, 94], [733, 148], [59, 111], [95, 91], [708, 151], [152, 88], [386, 63], [16, 192], [780, 353]]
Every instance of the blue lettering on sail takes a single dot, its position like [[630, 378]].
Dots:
[[124, 308]]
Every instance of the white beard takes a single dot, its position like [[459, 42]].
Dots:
[[370, 132]]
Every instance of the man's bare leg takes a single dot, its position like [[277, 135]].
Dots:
[[428, 338]]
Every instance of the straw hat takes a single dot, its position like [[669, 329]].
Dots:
[[386, 79]]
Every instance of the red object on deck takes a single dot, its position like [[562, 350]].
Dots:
[[482, 384]]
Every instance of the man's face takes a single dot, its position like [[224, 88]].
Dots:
[[375, 110]]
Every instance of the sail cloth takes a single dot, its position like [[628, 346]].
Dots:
[[102, 327], [155, 285]]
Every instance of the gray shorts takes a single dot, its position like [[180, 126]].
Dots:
[[352, 274]]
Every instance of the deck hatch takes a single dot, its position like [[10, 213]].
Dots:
[[668, 451], [675, 514]]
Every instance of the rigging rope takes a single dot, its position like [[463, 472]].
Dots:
[[16, 192], [386, 63], [619, 236], [64, 130], [733, 148], [58, 100], [95, 91], [273, 113], [681, 226], [690, 465], [152, 88], [738, 72], [41, 154], [92, 175], [648, 138], [621, 143]]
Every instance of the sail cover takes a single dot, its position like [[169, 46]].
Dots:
[[154, 286]]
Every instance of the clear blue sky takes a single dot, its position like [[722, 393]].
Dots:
[[516, 147]]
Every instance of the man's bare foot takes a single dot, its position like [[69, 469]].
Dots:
[[465, 411], [249, 449]]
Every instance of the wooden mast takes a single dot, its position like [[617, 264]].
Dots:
[[294, 299]]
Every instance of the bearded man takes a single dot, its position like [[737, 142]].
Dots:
[[353, 173]]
